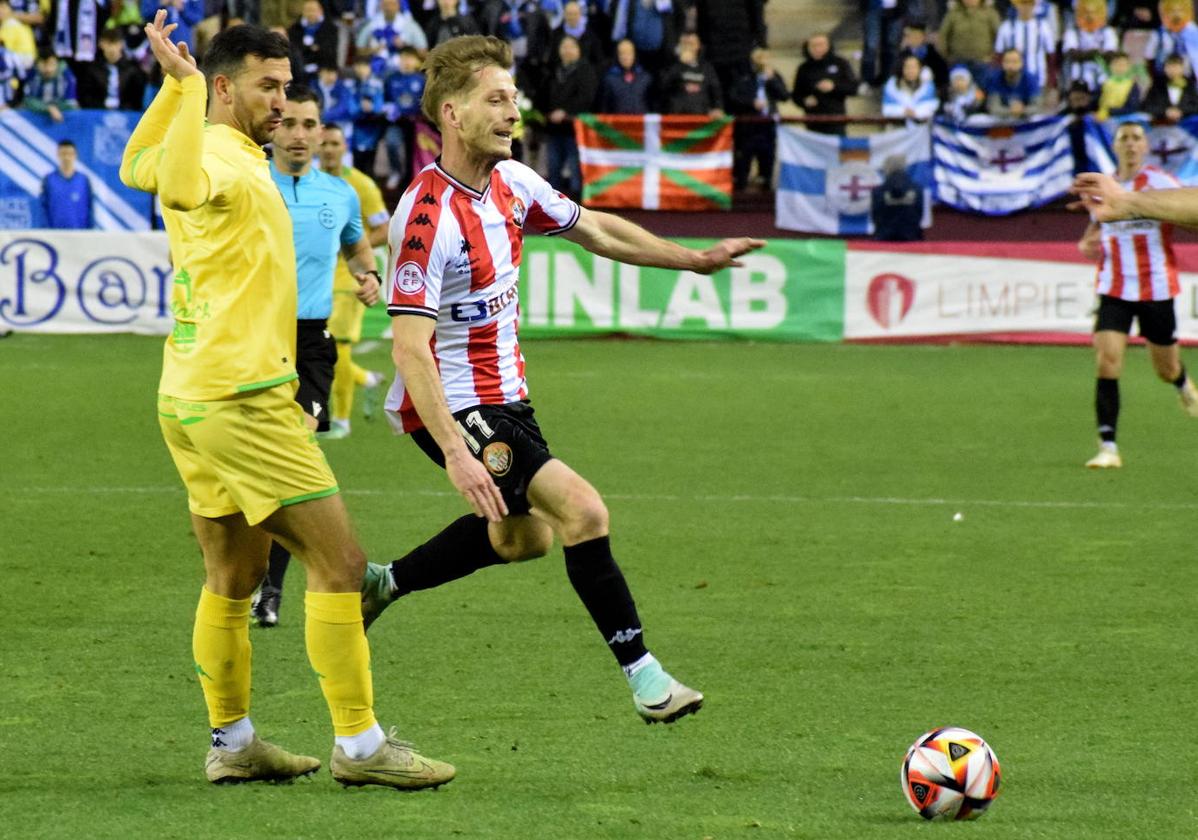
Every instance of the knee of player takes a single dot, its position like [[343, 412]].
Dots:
[[589, 521]]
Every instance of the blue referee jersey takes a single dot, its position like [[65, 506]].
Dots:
[[325, 215]]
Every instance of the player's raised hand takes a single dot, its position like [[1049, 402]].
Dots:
[[368, 287], [1100, 195], [176, 60], [723, 254], [476, 485]]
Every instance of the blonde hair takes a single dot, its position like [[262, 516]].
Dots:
[[451, 67]]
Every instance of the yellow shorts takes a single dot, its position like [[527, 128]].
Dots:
[[345, 323], [250, 454]]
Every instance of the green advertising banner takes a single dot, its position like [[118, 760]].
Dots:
[[791, 290]]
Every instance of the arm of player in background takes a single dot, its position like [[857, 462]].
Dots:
[[618, 239], [414, 361], [165, 153], [1090, 244], [360, 258]]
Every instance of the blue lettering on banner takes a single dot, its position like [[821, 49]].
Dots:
[[119, 286], [15, 310]]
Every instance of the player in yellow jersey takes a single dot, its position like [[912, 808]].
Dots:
[[346, 322], [226, 407]]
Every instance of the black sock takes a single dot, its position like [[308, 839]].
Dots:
[[1106, 404], [279, 558], [601, 587], [1181, 378], [459, 550]]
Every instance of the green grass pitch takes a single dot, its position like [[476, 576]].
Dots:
[[785, 517]]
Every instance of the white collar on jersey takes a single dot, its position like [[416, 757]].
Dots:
[[458, 185]]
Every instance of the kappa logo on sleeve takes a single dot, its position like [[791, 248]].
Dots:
[[409, 278]]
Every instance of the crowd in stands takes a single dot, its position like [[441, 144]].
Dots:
[[1006, 59], [1013, 59]]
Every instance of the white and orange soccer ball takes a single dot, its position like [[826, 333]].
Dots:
[[950, 774]]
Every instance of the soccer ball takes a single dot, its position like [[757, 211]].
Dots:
[[950, 773]]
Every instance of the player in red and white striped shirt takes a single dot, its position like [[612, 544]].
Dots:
[[1137, 280], [460, 389]]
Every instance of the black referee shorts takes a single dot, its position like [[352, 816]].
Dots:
[[1158, 320], [508, 442], [315, 358]]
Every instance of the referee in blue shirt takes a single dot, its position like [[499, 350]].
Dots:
[[326, 220]]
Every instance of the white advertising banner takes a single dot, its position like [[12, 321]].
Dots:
[[85, 282], [893, 296]]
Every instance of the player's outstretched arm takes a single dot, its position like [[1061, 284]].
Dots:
[[414, 361], [1106, 201], [610, 236], [165, 152]]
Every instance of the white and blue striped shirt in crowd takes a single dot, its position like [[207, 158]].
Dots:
[[1164, 43], [1091, 72], [1035, 39], [898, 99]]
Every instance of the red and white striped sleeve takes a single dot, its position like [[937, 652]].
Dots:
[[417, 260], [549, 211]]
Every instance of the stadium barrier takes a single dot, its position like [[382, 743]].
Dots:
[[792, 290]]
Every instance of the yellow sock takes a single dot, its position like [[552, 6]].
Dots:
[[343, 382], [340, 655], [220, 644], [360, 375]]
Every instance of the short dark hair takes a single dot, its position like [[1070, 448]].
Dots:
[[300, 92], [67, 144], [1175, 59], [112, 35], [227, 52]]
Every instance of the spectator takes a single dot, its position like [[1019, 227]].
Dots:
[[626, 86], [1079, 100], [915, 42], [576, 25], [1033, 35], [896, 205], [282, 13], [10, 79], [691, 85], [967, 36], [883, 30], [296, 55], [908, 94], [51, 88], [402, 90], [73, 28], [336, 97], [651, 25], [1173, 96], [16, 37], [1012, 92], [446, 23], [112, 81], [1086, 43], [369, 119], [1120, 92], [183, 13], [964, 97], [1135, 14], [29, 12], [221, 14], [570, 91], [756, 93], [67, 193], [390, 31], [730, 29], [1177, 35], [822, 83], [315, 36]]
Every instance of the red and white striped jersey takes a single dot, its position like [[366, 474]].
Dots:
[[455, 256], [1137, 254]]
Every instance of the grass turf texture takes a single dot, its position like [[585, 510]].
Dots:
[[785, 517]]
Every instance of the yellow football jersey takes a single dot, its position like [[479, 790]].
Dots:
[[374, 213], [234, 292]]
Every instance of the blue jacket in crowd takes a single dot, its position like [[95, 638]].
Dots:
[[67, 202]]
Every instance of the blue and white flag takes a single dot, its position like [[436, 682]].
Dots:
[[1173, 148], [29, 152], [825, 180], [1001, 168]]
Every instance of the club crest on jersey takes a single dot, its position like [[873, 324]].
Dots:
[[518, 212], [409, 278], [497, 458]]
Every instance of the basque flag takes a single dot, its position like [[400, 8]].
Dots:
[[825, 181]]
